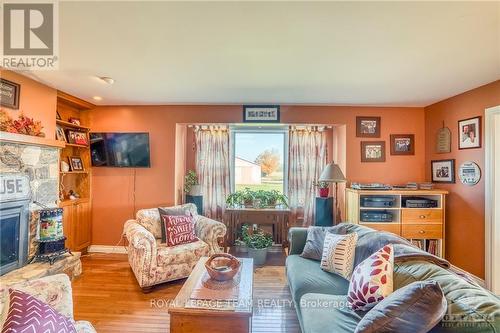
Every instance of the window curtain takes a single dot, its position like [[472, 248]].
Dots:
[[212, 167], [307, 158]]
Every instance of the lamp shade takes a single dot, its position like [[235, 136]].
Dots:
[[332, 173]]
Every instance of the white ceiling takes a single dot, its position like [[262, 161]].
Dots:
[[352, 53]]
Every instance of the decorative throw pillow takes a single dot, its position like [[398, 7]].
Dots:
[[415, 308], [313, 249], [177, 230], [28, 314], [338, 254], [173, 211], [371, 280]]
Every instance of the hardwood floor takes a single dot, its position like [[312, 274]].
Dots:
[[108, 296]]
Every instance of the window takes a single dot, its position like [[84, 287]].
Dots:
[[259, 159]]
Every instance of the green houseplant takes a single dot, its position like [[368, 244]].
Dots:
[[258, 242], [191, 183], [258, 199]]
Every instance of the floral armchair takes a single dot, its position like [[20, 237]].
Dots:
[[154, 263], [55, 290]]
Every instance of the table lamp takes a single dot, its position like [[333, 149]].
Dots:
[[332, 174]]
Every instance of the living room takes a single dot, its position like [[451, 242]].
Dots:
[[213, 174]]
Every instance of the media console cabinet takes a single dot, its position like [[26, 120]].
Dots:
[[423, 226]]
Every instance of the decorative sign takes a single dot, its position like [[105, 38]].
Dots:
[[14, 187], [443, 144], [261, 113], [9, 94], [469, 173]]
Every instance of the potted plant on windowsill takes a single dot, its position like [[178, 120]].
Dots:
[[258, 242]]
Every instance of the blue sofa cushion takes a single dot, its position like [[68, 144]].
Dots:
[[306, 276], [328, 314], [415, 308]]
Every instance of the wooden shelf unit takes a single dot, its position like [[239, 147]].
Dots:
[[423, 226], [77, 223]]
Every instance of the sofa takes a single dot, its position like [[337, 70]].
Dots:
[[153, 262], [321, 305], [55, 290]]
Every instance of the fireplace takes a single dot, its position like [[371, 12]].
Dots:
[[14, 222]]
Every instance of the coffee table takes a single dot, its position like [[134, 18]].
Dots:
[[235, 317]]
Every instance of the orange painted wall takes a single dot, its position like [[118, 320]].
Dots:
[[113, 194], [37, 101], [465, 208]]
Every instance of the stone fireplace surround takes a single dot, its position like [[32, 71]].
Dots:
[[41, 164]]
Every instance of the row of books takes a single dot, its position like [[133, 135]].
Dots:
[[429, 245]]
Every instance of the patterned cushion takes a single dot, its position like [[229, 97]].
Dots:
[[28, 314], [338, 254], [372, 280], [150, 218], [177, 230]]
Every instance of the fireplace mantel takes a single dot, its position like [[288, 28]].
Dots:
[[30, 140]]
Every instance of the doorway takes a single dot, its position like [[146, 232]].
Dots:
[[492, 202]]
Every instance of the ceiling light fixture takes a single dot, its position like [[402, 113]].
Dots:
[[107, 79], [97, 98]]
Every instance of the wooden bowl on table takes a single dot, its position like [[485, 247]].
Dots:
[[222, 266]]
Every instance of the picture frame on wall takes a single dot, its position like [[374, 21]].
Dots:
[[443, 171], [368, 127], [372, 151], [469, 133], [261, 113], [10, 92], [402, 144], [76, 163]]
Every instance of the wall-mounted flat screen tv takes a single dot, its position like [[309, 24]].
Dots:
[[120, 150]]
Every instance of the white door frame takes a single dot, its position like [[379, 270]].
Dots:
[[492, 196]]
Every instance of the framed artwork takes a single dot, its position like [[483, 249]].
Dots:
[[60, 134], [402, 144], [469, 133], [261, 113], [76, 163], [77, 137], [372, 151], [10, 92], [443, 171], [368, 127]]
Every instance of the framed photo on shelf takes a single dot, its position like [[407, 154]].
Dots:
[[77, 137], [75, 121], [402, 144], [372, 151], [60, 134], [58, 116], [443, 171], [469, 133], [261, 113], [76, 163], [368, 127]]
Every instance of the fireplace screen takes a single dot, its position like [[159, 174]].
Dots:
[[9, 241]]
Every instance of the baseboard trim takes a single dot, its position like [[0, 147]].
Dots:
[[479, 281], [107, 249]]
